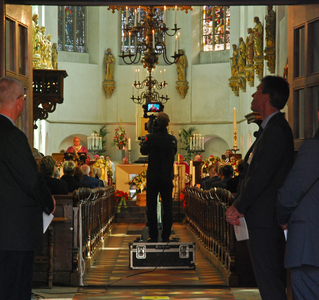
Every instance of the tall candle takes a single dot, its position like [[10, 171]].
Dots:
[[175, 14], [129, 144], [178, 158], [126, 15], [193, 177], [153, 32], [129, 41], [175, 170], [135, 17], [123, 41], [235, 127], [139, 14], [203, 143], [191, 167], [179, 41]]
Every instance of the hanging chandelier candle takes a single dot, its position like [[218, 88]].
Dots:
[[147, 89], [148, 34]]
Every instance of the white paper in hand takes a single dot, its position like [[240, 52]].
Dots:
[[47, 219], [241, 231]]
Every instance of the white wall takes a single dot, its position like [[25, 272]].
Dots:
[[208, 104]]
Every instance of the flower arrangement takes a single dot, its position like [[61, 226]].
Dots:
[[212, 160], [121, 197], [120, 138], [140, 182]]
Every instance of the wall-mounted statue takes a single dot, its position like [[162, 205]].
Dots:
[[234, 79], [270, 49], [55, 56], [181, 83], [258, 48], [249, 69], [109, 83], [242, 64], [258, 37], [109, 61]]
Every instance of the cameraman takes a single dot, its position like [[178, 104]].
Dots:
[[161, 148]]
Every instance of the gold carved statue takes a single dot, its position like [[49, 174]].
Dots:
[[234, 59], [181, 83], [250, 47], [270, 27], [258, 37], [242, 55], [55, 56], [181, 66], [109, 61]]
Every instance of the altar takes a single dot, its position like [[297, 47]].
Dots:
[[122, 175]]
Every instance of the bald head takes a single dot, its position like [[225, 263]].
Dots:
[[11, 97], [85, 169]]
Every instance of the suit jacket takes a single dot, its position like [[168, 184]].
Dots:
[[207, 183], [56, 186], [298, 205], [91, 182], [270, 163], [23, 192], [72, 183]]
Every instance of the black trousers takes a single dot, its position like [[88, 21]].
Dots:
[[265, 247], [16, 268], [165, 188]]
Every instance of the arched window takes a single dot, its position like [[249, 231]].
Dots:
[[216, 28], [71, 28]]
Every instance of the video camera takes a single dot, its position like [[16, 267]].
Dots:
[[152, 107]]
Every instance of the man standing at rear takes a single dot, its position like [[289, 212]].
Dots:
[[268, 166], [24, 196], [161, 147]]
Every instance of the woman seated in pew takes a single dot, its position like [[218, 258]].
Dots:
[[56, 186], [68, 177]]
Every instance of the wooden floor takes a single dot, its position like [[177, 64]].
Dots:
[[111, 271], [111, 278]]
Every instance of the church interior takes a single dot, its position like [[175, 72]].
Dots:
[[206, 89]]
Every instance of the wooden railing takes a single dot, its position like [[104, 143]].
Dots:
[[75, 236], [205, 216]]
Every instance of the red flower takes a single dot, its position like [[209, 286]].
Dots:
[[181, 196]]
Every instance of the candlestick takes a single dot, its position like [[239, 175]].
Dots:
[[175, 170], [164, 18], [179, 41], [123, 41], [191, 167], [139, 14], [178, 158], [129, 41], [193, 177], [153, 32], [129, 144], [135, 17]]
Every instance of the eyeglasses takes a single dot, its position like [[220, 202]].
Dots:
[[24, 96]]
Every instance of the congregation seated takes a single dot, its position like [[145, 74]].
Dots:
[[47, 167], [232, 184], [91, 182], [78, 175], [226, 172], [68, 170], [97, 174], [213, 177]]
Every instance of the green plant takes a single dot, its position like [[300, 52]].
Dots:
[[184, 139]]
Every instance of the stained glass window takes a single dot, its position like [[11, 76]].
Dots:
[[71, 28], [216, 28], [140, 16]]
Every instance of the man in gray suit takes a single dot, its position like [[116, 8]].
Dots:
[[298, 209], [268, 166], [24, 196]]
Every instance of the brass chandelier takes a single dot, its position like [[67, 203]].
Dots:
[[147, 37]]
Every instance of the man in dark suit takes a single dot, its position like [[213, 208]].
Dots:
[[91, 182], [297, 209], [23, 198], [213, 177], [227, 172], [268, 166]]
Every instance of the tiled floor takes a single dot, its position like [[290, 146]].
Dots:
[[111, 278]]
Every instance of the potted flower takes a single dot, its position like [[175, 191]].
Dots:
[[140, 183]]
